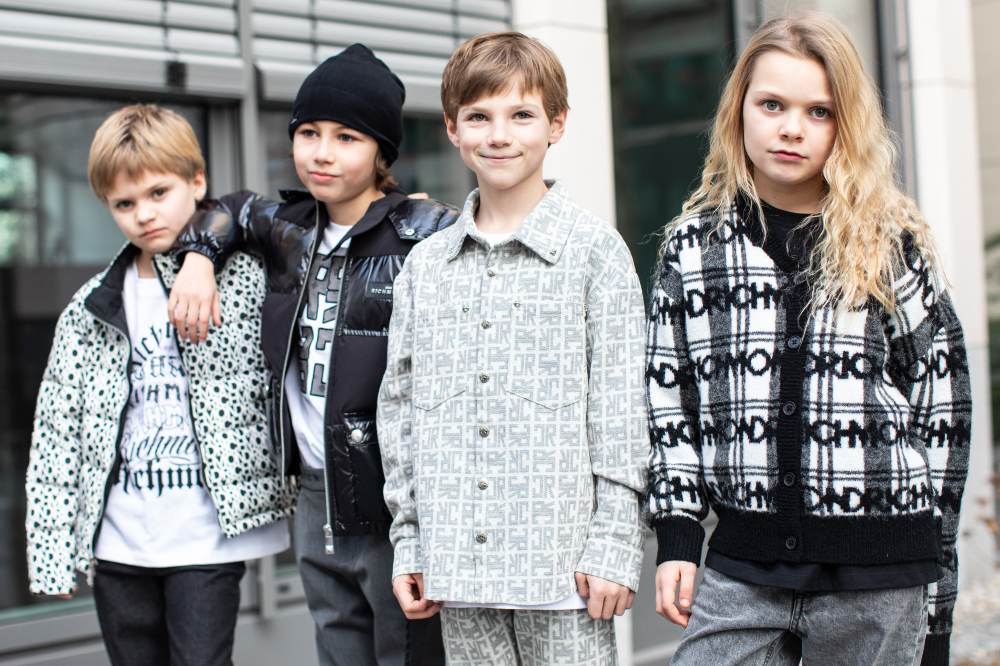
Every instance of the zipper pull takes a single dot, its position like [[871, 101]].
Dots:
[[328, 539]]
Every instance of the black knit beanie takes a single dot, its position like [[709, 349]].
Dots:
[[356, 89]]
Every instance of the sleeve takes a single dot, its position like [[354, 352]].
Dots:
[[928, 363], [219, 227], [394, 425], [52, 479], [675, 497], [615, 417]]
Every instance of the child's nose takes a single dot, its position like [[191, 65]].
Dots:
[[324, 150], [791, 126], [499, 133]]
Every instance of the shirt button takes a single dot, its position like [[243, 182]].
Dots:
[[465, 308], [484, 431], [491, 273], [357, 435], [484, 378], [517, 304], [486, 323], [788, 408], [483, 484], [791, 542], [794, 342], [480, 538], [788, 479]]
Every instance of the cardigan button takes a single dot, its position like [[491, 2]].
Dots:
[[788, 479], [794, 342], [788, 408], [791, 542]]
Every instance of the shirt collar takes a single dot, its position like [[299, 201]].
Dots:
[[545, 229]]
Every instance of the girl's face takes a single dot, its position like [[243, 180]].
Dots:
[[788, 129]]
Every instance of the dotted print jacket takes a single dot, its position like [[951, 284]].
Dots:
[[81, 407]]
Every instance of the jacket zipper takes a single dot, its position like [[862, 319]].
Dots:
[[118, 453], [328, 527], [194, 427]]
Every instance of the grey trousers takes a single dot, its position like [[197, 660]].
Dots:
[[358, 620], [479, 636], [734, 622]]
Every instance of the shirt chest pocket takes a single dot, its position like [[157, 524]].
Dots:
[[548, 355]]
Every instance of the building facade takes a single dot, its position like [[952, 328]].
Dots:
[[644, 78]]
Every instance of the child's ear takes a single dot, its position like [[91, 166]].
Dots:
[[200, 185], [450, 128], [557, 126]]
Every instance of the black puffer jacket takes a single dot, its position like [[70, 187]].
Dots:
[[285, 235]]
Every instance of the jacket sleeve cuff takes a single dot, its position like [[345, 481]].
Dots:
[[937, 648], [407, 557], [204, 249], [678, 538]]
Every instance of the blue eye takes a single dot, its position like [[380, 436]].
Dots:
[[821, 113], [771, 105], [475, 117]]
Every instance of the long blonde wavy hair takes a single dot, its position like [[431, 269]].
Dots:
[[865, 216]]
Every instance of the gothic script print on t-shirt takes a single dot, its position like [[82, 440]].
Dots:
[[158, 448]]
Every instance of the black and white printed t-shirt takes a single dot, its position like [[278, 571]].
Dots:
[[306, 381], [159, 512]]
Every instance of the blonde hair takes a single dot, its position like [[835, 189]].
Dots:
[[491, 63], [142, 138], [864, 214]]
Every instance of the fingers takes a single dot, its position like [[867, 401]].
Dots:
[[687, 586], [408, 589], [630, 600], [606, 598], [201, 324], [581, 585], [667, 577]]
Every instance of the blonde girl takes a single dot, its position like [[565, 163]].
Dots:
[[806, 380]]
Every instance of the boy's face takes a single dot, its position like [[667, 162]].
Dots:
[[503, 137], [334, 162], [151, 210]]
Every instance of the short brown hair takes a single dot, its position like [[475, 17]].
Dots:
[[383, 176], [141, 138], [492, 62]]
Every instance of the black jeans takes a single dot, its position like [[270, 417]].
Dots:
[[174, 616]]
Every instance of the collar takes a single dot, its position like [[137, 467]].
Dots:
[[545, 230]]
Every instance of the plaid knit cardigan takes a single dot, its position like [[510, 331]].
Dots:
[[837, 438]]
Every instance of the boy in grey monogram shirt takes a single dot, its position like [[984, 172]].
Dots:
[[512, 415]]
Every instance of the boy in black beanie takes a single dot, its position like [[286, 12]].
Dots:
[[332, 254]]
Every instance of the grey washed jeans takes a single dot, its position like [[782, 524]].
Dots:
[[740, 623]]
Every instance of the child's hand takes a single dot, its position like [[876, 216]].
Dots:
[[604, 598], [409, 591], [194, 298], [668, 574]]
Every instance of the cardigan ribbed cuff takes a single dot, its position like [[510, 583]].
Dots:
[[937, 648], [678, 539]]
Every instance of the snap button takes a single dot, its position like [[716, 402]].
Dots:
[[788, 408], [480, 538], [788, 479], [517, 304], [409, 232], [486, 323], [484, 431], [357, 435], [484, 378], [794, 342], [483, 485], [791, 542], [465, 308]]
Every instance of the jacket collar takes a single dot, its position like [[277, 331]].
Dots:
[[545, 230], [105, 300]]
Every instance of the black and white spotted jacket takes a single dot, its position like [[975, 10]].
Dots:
[[840, 438], [81, 408]]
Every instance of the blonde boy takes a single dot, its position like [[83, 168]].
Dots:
[[512, 412], [151, 469]]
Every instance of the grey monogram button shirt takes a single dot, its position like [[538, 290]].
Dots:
[[512, 415]]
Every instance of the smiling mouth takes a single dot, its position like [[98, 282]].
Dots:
[[499, 158]]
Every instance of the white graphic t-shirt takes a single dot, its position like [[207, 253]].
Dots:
[[306, 381], [159, 512]]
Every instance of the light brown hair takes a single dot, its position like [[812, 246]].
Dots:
[[138, 139], [493, 62], [864, 214]]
